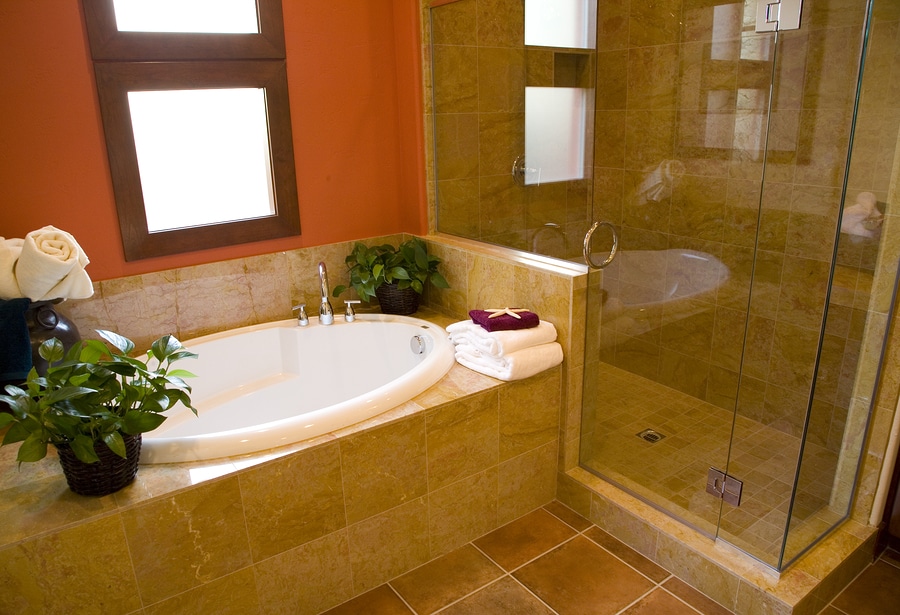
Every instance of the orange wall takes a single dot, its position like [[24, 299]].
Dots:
[[356, 107]]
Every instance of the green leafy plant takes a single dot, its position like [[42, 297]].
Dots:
[[409, 265], [94, 393]]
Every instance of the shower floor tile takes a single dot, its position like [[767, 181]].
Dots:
[[671, 473]]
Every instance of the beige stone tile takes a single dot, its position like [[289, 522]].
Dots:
[[293, 500], [185, 540], [529, 413], [143, 307], [307, 579], [212, 298], [500, 23], [655, 24], [527, 482], [384, 467], [462, 439], [612, 25], [462, 511], [389, 544], [457, 135], [652, 77], [501, 80], [503, 596], [39, 500], [55, 574], [268, 276], [700, 573], [231, 594], [455, 70], [454, 24], [500, 140], [446, 579]]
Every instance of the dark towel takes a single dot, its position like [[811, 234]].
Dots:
[[15, 343], [504, 322]]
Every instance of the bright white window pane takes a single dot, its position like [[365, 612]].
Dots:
[[203, 156], [555, 127], [219, 16], [561, 23]]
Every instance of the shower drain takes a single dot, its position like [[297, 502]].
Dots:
[[650, 436]]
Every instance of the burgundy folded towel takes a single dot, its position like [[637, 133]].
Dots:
[[504, 322]]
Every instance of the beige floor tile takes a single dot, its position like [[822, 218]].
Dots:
[[524, 539]]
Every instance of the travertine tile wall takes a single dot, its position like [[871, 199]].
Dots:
[[311, 529], [478, 113]]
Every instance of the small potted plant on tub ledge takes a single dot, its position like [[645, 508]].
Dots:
[[92, 404], [395, 275]]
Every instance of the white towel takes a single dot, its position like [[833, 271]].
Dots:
[[500, 343], [10, 249], [862, 219], [51, 266], [514, 366]]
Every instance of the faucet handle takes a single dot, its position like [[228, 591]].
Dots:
[[349, 314], [302, 318]]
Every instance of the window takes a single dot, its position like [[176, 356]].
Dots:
[[228, 172]]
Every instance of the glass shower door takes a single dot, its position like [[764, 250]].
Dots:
[[681, 129]]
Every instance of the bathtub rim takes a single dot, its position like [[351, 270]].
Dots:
[[172, 448]]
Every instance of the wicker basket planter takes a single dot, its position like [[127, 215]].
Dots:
[[395, 300], [106, 476]]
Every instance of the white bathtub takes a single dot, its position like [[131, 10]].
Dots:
[[275, 384]]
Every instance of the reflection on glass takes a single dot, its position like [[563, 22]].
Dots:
[[203, 156], [555, 128], [561, 23], [210, 16]]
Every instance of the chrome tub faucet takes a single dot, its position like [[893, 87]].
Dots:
[[326, 313]]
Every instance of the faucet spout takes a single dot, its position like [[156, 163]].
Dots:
[[326, 313]]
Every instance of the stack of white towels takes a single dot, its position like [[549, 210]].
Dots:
[[47, 264], [506, 355]]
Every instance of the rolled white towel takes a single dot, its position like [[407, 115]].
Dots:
[[501, 343], [51, 266], [10, 249], [516, 365]]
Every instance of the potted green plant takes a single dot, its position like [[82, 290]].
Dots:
[[395, 275], [92, 404]]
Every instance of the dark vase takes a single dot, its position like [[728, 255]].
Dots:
[[103, 477], [44, 322], [394, 300]]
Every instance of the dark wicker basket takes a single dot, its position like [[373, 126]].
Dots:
[[395, 300], [108, 475]]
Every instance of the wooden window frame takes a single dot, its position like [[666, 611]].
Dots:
[[144, 61]]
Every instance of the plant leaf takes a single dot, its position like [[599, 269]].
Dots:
[[83, 447], [33, 448], [52, 350], [438, 280], [119, 341], [136, 422], [115, 443]]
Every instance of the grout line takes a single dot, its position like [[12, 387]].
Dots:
[[402, 599]]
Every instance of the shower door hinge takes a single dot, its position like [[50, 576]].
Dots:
[[723, 486], [778, 15]]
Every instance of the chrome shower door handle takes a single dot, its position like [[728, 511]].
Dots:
[[588, 255]]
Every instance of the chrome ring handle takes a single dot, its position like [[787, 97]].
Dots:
[[588, 258]]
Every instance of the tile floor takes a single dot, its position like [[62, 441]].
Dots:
[[553, 561], [672, 472]]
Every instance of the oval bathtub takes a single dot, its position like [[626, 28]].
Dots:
[[274, 384]]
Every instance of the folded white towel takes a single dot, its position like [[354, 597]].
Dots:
[[862, 219], [10, 249], [515, 365], [500, 343], [51, 266]]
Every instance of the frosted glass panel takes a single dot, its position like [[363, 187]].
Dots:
[[211, 16], [203, 156], [555, 126], [561, 23]]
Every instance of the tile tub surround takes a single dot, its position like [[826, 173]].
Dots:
[[300, 531]]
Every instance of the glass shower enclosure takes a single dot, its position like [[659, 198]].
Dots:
[[733, 343]]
